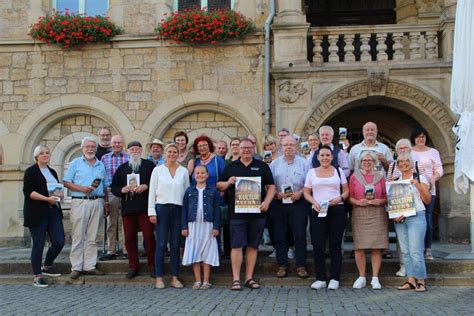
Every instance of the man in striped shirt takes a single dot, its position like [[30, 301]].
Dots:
[[111, 162]]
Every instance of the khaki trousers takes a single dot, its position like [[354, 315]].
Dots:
[[85, 219], [114, 224]]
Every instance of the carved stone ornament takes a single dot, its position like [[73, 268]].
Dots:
[[425, 6], [377, 82], [289, 91]]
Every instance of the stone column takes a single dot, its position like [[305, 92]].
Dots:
[[290, 31], [446, 39]]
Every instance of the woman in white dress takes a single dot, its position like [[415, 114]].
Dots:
[[200, 224]]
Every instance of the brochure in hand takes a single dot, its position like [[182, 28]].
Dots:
[[287, 190], [56, 190], [400, 199], [248, 194]]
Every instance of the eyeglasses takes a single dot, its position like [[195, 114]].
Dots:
[[246, 148], [421, 136], [203, 146], [368, 160]]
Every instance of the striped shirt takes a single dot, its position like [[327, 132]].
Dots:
[[112, 161]]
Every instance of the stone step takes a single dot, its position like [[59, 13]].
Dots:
[[265, 266], [225, 280]]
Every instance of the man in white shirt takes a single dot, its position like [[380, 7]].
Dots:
[[384, 155]]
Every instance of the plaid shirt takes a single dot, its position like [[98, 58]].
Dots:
[[112, 161]]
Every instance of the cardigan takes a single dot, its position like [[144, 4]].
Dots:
[[35, 211]]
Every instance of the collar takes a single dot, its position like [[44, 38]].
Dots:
[[365, 145], [87, 162]]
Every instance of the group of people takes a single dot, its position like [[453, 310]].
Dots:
[[185, 197]]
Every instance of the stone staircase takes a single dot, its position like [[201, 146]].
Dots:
[[17, 270]]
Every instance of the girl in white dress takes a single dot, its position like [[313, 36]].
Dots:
[[200, 225]]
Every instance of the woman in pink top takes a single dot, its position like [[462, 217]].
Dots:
[[429, 162], [326, 189], [369, 219]]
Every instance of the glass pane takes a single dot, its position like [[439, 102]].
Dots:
[[218, 4], [71, 5], [96, 7], [188, 4]]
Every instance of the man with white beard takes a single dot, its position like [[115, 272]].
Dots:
[[130, 182], [87, 183]]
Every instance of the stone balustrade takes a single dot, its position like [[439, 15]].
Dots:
[[354, 44]]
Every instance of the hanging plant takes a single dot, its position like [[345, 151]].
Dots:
[[199, 26], [69, 30]]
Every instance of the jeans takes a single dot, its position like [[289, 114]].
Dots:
[[290, 217], [169, 224], [332, 226], [411, 234], [53, 225], [429, 222]]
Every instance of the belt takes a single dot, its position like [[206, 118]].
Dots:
[[87, 197]]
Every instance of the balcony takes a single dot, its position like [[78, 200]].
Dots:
[[362, 45]]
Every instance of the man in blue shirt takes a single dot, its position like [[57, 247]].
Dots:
[[87, 182], [156, 152]]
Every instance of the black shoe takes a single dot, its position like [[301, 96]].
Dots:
[[152, 273], [109, 256], [40, 283], [50, 272], [132, 273]]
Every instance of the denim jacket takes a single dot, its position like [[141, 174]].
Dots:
[[211, 206]]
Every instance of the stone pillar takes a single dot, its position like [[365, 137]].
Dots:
[[446, 39], [455, 217], [12, 232], [290, 31], [406, 12]]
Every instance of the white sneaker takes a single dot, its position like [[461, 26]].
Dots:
[[402, 272], [376, 283], [360, 283], [318, 285], [291, 254], [333, 285], [273, 254]]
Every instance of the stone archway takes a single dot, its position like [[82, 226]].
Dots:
[[39, 122], [415, 102]]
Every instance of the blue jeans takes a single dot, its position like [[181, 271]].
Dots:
[[169, 224], [53, 225], [429, 222], [411, 234]]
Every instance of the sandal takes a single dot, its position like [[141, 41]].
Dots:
[[420, 287], [406, 286], [196, 285], [251, 284], [206, 286], [236, 286]]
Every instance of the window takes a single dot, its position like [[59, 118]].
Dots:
[[210, 4], [87, 7]]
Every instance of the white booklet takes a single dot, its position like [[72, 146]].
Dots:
[[248, 194], [287, 190], [133, 180], [56, 190]]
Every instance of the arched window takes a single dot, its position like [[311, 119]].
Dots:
[[87, 7]]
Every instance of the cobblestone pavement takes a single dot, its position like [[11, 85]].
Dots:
[[270, 300]]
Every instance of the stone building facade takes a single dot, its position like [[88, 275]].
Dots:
[[144, 88]]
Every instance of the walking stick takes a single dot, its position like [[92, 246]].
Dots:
[[105, 236]]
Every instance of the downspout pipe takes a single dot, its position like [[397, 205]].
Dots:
[[266, 97]]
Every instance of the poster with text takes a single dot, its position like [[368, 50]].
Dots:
[[400, 199], [247, 194]]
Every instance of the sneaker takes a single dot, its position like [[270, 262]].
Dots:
[[376, 283], [94, 271], [40, 282], [50, 272], [74, 275], [428, 255], [402, 272], [318, 285], [333, 285], [291, 253], [132, 273], [361, 282], [273, 254]]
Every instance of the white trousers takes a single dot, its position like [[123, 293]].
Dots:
[[85, 218]]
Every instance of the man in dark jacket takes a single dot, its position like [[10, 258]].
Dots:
[[130, 183]]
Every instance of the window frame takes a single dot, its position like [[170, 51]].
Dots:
[[203, 4], [82, 5]]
